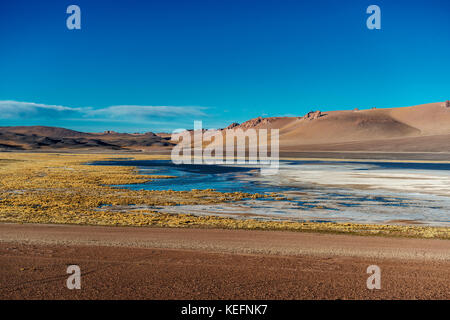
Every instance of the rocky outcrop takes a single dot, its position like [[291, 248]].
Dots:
[[313, 115], [252, 123], [232, 126]]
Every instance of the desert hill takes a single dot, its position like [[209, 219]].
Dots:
[[423, 128], [41, 137]]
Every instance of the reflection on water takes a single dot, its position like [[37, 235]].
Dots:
[[366, 192]]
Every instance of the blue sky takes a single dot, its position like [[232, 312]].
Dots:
[[158, 65]]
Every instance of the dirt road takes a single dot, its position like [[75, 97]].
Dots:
[[154, 263]]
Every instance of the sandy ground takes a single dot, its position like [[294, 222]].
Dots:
[[154, 263]]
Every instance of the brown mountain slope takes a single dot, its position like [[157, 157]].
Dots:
[[40, 137], [53, 132], [346, 126], [431, 119], [418, 128]]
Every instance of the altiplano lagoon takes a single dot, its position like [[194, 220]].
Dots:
[[407, 193]]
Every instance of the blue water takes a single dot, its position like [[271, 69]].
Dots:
[[233, 178], [305, 200], [189, 177], [405, 165]]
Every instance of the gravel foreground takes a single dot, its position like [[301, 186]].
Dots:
[[164, 263]]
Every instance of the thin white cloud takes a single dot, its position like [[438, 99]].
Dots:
[[28, 110], [142, 112]]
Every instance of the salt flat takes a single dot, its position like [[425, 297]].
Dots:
[[382, 193]]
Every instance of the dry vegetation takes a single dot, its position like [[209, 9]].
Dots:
[[61, 189]]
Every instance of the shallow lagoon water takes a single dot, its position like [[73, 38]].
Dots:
[[361, 192]]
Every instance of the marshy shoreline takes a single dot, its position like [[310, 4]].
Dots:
[[62, 189]]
